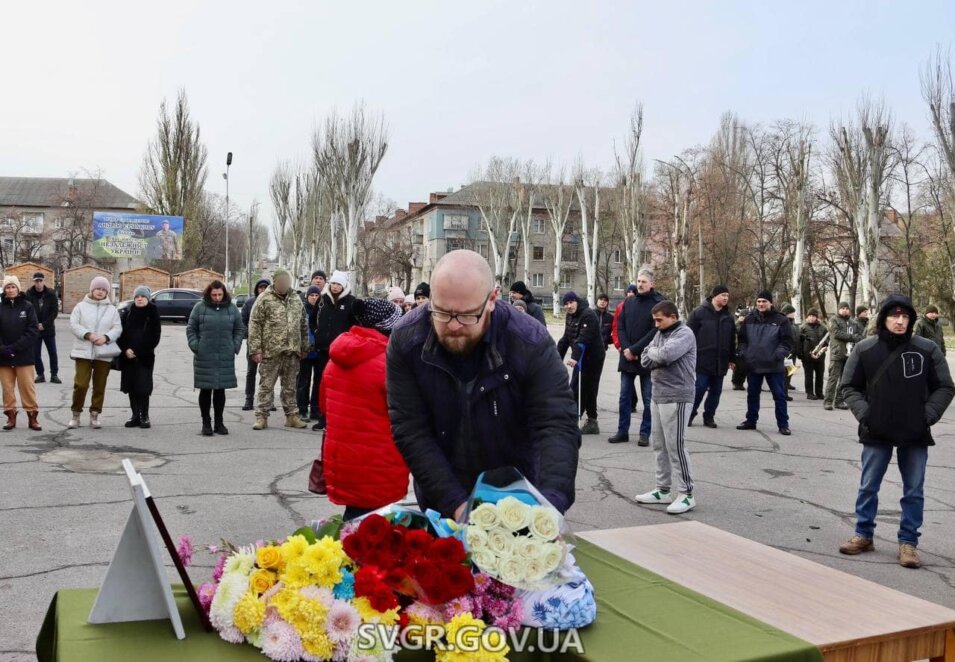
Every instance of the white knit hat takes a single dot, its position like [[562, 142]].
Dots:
[[12, 280], [395, 293], [339, 277]]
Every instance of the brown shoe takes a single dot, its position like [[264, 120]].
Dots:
[[11, 419], [34, 424], [909, 556], [293, 421], [857, 545]]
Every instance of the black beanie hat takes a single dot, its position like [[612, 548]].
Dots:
[[519, 287], [718, 290], [861, 309], [931, 309], [788, 308], [423, 290], [765, 294], [319, 272]]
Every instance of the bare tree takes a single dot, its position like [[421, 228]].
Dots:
[[528, 196], [631, 195], [907, 203], [792, 173], [347, 153], [495, 191], [558, 197], [292, 189], [587, 188], [173, 173], [677, 179]]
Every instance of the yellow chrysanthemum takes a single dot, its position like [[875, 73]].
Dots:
[[293, 548], [286, 603], [269, 557], [318, 645], [465, 633], [296, 574], [370, 615], [249, 613]]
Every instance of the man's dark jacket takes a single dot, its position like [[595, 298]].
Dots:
[[913, 392], [534, 309], [47, 307], [520, 407], [810, 335], [765, 340], [247, 306], [635, 328], [18, 331], [330, 318], [582, 328], [715, 334], [605, 317]]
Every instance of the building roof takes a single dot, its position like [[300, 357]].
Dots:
[[50, 191]]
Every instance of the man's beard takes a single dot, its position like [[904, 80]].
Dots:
[[459, 345]]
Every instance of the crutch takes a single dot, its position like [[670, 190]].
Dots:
[[579, 367]]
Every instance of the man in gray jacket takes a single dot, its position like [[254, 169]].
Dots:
[[671, 359]]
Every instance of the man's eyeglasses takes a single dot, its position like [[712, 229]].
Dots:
[[464, 319]]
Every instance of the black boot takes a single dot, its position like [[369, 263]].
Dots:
[[206, 426], [144, 412], [219, 428], [135, 420]]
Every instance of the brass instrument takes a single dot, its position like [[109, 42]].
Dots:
[[821, 348]]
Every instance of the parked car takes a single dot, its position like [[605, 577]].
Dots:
[[174, 303], [239, 300]]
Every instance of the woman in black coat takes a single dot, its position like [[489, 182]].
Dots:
[[18, 334], [141, 333]]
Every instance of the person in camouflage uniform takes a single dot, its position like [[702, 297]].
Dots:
[[927, 326], [169, 242], [277, 342], [842, 331]]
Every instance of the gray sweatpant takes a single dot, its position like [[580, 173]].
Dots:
[[668, 437]]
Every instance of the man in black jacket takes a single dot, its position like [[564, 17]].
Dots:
[[765, 340], [47, 307], [712, 324], [587, 354], [519, 291], [475, 385], [605, 317], [635, 330], [253, 367], [897, 386]]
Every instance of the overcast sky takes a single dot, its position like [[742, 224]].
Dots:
[[457, 81]]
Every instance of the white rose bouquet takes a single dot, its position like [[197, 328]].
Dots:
[[514, 534]]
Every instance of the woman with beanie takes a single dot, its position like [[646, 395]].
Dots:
[[363, 468], [18, 334], [306, 389], [214, 333], [141, 333], [96, 328]]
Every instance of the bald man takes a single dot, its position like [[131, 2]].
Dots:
[[473, 386]]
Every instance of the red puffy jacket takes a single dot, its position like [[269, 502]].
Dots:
[[363, 468]]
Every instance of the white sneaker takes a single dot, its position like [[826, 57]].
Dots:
[[94, 421], [683, 503], [74, 421], [656, 496]]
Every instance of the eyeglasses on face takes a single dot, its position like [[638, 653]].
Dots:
[[464, 319]]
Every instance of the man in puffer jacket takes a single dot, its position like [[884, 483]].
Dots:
[[765, 340], [671, 358], [898, 386], [581, 327], [277, 342], [519, 292], [363, 468]]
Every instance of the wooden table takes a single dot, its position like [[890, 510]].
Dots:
[[850, 619]]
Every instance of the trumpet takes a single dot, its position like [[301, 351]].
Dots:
[[821, 348]]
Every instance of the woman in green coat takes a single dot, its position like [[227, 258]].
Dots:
[[215, 333]]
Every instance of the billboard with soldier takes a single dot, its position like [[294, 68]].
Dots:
[[117, 234]]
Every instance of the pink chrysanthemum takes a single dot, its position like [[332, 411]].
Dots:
[[184, 551], [458, 606], [206, 592], [512, 618], [425, 613], [320, 593], [281, 642], [342, 621], [220, 566]]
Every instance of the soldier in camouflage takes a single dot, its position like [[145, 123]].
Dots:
[[843, 331], [277, 342], [169, 242]]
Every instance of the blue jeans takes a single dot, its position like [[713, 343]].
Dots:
[[627, 387], [875, 460], [50, 342], [714, 384], [777, 384]]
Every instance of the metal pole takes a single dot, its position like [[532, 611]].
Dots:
[[227, 221], [249, 241]]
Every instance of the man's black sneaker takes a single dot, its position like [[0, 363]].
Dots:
[[709, 422], [39, 379], [619, 438], [746, 425], [644, 440], [785, 432], [55, 379]]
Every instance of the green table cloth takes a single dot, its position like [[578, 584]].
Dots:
[[640, 616]]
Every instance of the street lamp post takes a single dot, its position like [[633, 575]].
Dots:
[[225, 175]]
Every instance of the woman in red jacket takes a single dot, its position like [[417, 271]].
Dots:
[[363, 468]]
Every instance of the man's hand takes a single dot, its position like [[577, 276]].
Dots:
[[732, 366], [40, 326], [257, 358], [459, 511], [627, 354], [100, 340], [130, 354], [571, 362]]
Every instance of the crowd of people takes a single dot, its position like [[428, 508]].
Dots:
[[452, 380]]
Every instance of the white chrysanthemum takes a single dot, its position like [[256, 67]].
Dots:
[[230, 590], [240, 562], [545, 523], [515, 515], [484, 516], [500, 541], [552, 555], [476, 538]]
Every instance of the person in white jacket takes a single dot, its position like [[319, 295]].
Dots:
[[96, 325]]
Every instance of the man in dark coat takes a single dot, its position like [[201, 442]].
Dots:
[[897, 386], [519, 291], [635, 330], [605, 317], [253, 367], [712, 324], [587, 354], [843, 334], [765, 340], [47, 307], [328, 320], [739, 368], [811, 334], [475, 385], [929, 327]]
